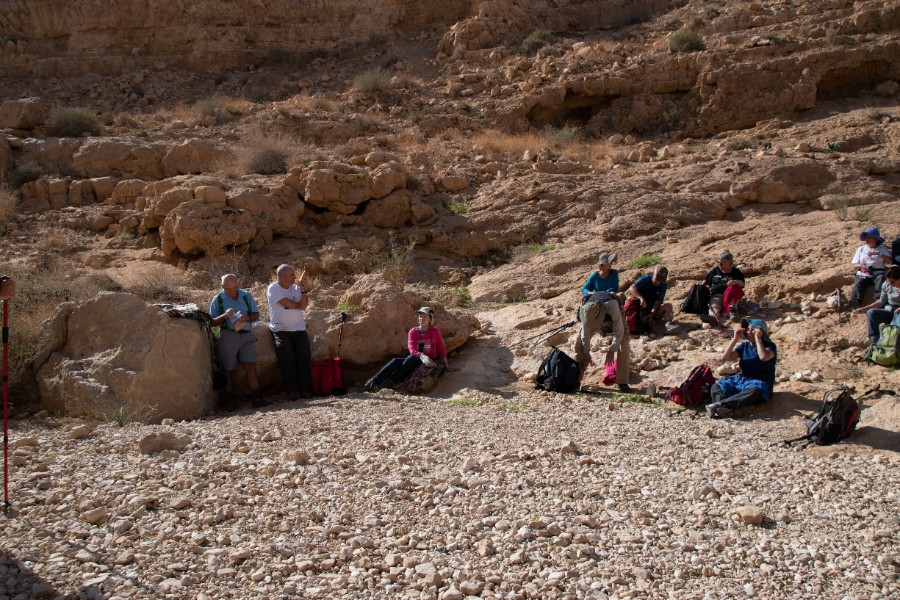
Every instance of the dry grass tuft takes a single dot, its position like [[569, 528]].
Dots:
[[9, 206], [264, 155], [493, 140]]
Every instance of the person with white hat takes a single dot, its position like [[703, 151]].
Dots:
[[426, 347], [605, 278]]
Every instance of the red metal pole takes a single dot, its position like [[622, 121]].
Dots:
[[6, 504]]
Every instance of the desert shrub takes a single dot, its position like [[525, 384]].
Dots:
[[24, 173], [686, 40], [644, 260], [268, 161], [159, 286], [527, 251], [345, 306], [670, 118], [221, 108], [863, 213], [840, 205], [454, 296], [459, 208], [498, 141], [394, 261], [738, 143], [536, 40], [562, 136], [497, 256], [372, 81], [72, 122], [8, 206]]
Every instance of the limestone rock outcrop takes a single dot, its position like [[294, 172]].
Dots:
[[149, 368]]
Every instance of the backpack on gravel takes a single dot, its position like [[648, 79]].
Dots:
[[558, 373], [837, 419], [886, 351], [636, 321], [695, 389], [422, 379], [697, 300]]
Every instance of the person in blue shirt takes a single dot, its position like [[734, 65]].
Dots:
[[756, 382], [605, 278], [233, 311], [650, 292]]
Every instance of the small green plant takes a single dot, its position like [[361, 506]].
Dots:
[[462, 402], [345, 306], [23, 174], [512, 407], [536, 40], [268, 161], [863, 213], [670, 118], [767, 145], [373, 81], [459, 208], [686, 40], [72, 122], [455, 296], [644, 260], [519, 299], [528, 251], [636, 398], [832, 147]]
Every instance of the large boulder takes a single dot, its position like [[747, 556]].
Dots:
[[115, 357], [378, 329], [341, 188], [26, 113], [98, 157]]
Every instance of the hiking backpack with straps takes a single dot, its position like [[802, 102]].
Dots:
[[836, 420], [886, 351], [636, 321], [697, 300], [558, 373], [220, 302], [695, 389]]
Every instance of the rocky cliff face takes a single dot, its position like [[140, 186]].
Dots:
[[61, 37]]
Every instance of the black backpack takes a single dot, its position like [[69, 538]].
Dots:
[[697, 300], [836, 420], [558, 373], [895, 249]]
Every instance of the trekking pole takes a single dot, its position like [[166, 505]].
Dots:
[[546, 333], [6, 504], [341, 333]]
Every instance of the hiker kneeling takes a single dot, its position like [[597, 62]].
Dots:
[[598, 307], [756, 381], [426, 347]]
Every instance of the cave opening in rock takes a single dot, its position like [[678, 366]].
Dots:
[[849, 81], [576, 109]]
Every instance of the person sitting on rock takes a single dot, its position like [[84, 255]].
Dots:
[[604, 279], [870, 260], [426, 347], [726, 286], [650, 292], [757, 356], [598, 307], [886, 305], [233, 311]]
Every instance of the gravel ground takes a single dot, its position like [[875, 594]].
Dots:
[[532, 495]]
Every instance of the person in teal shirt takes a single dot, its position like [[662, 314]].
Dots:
[[605, 278]]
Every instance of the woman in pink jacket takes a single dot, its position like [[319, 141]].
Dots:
[[426, 347]]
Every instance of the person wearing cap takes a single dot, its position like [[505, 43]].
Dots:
[[757, 355], [650, 292], [604, 279], [233, 311], [886, 306], [288, 298], [726, 286], [426, 347], [602, 306], [870, 260]]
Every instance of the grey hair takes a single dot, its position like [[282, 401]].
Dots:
[[228, 276], [282, 269]]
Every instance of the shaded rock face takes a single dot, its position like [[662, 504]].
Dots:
[[150, 368], [79, 37], [378, 330]]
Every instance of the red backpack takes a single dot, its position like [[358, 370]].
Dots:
[[694, 390], [326, 374], [635, 322]]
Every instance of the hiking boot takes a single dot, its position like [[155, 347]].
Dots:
[[229, 403], [371, 386], [718, 412], [671, 327], [625, 388], [304, 396], [258, 401]]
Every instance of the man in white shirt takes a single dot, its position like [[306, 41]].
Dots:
[[287, 301]]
